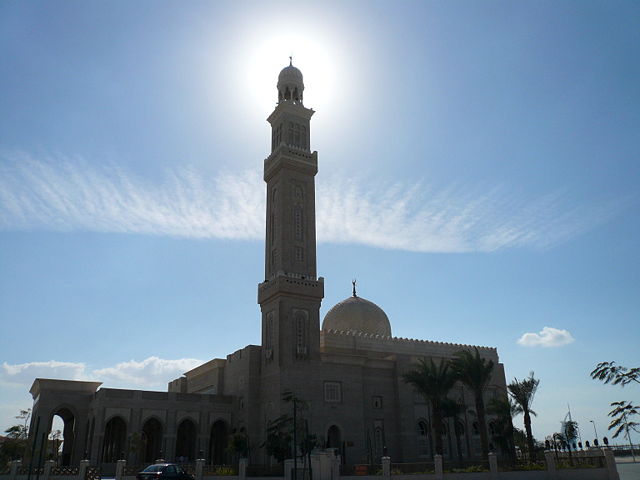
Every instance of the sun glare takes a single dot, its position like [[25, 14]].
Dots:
[[266, 52]]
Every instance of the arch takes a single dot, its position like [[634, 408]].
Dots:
[[115, 437], [65, 437], [151, 439], [423, 435], [334, 437], [218, 442], [186, 440]]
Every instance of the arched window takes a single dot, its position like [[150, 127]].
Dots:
[[152, 439], [301, 333], [334, 438], [269, 336], [115, 437], [423, 437], [186, 440], [298, 222], [219, 441]]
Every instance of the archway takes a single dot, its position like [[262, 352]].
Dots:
[[152, 439], [334, 438], [186, 440], [61, 438], [423, 435], [218, 443], [115, 437]]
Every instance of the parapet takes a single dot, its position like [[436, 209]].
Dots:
[[409, 346]]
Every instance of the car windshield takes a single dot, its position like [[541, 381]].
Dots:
[[154, 468]]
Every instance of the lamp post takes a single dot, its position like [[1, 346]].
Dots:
[[594, 429]]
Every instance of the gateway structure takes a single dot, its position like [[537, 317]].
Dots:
[[349, 371]]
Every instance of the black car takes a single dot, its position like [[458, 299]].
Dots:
[[164, 471]]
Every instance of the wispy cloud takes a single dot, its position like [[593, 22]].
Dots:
[[67, 194], [152, 372], [548, 337]]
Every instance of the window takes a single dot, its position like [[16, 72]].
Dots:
[[297, 222], [377, 401], [301, 334], [423, 436], [299, 254], [332, 392]]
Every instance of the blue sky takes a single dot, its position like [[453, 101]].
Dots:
[[479, 173]]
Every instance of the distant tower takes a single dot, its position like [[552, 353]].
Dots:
[[291, 294]]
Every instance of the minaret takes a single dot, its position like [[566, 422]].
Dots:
[[291, 294]]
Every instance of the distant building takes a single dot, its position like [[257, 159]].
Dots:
[[349, 371]]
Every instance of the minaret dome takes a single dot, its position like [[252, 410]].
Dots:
[[290, 84]]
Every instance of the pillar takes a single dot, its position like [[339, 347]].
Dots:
[[199, 468], [46, 473], [437, 463], [120, 469], [610, 460], [551, 464], [242, 469], [386, 468], [493, 465], [15, 468], [82, 470]]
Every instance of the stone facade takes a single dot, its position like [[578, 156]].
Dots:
[[350, 377]]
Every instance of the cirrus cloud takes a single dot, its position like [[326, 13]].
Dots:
[[63, 193], [547, 337]]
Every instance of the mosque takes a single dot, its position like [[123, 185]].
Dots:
[[348, 371]]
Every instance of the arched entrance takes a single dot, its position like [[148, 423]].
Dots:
[[152, 439], [186, 441], [62, 434], [115, 437], [334, 438], [218, 443]]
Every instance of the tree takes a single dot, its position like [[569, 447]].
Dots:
[[17, 441], [475, 372], [570, 434], [620, 420], [522, 393], [609, 372], [503, 435], [433, 381], [452, 409]]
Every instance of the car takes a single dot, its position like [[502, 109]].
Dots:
[[164, 471]]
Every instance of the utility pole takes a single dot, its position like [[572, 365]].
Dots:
[[594, 429]]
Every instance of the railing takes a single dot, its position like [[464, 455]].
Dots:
[[412, 468], [265, 470], [25, 470], [219, 470], [65, 471], [505, 465], [92, 473], [579, 461], [361, 469], [465, 466]]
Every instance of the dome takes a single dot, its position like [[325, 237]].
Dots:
[[290, 84], [290, 74], [355, 314]]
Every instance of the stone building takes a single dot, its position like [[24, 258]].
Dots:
[[349, 370]]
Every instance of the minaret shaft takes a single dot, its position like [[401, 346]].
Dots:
[[291, 294]]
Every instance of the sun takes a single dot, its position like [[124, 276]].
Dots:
[[266, 51]]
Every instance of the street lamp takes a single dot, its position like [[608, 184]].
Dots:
[[594, 429]]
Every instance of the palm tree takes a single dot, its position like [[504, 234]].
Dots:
[[503, 435], [433, 381], [452, 409], [475, 372], [620, 420], [522, 393]]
